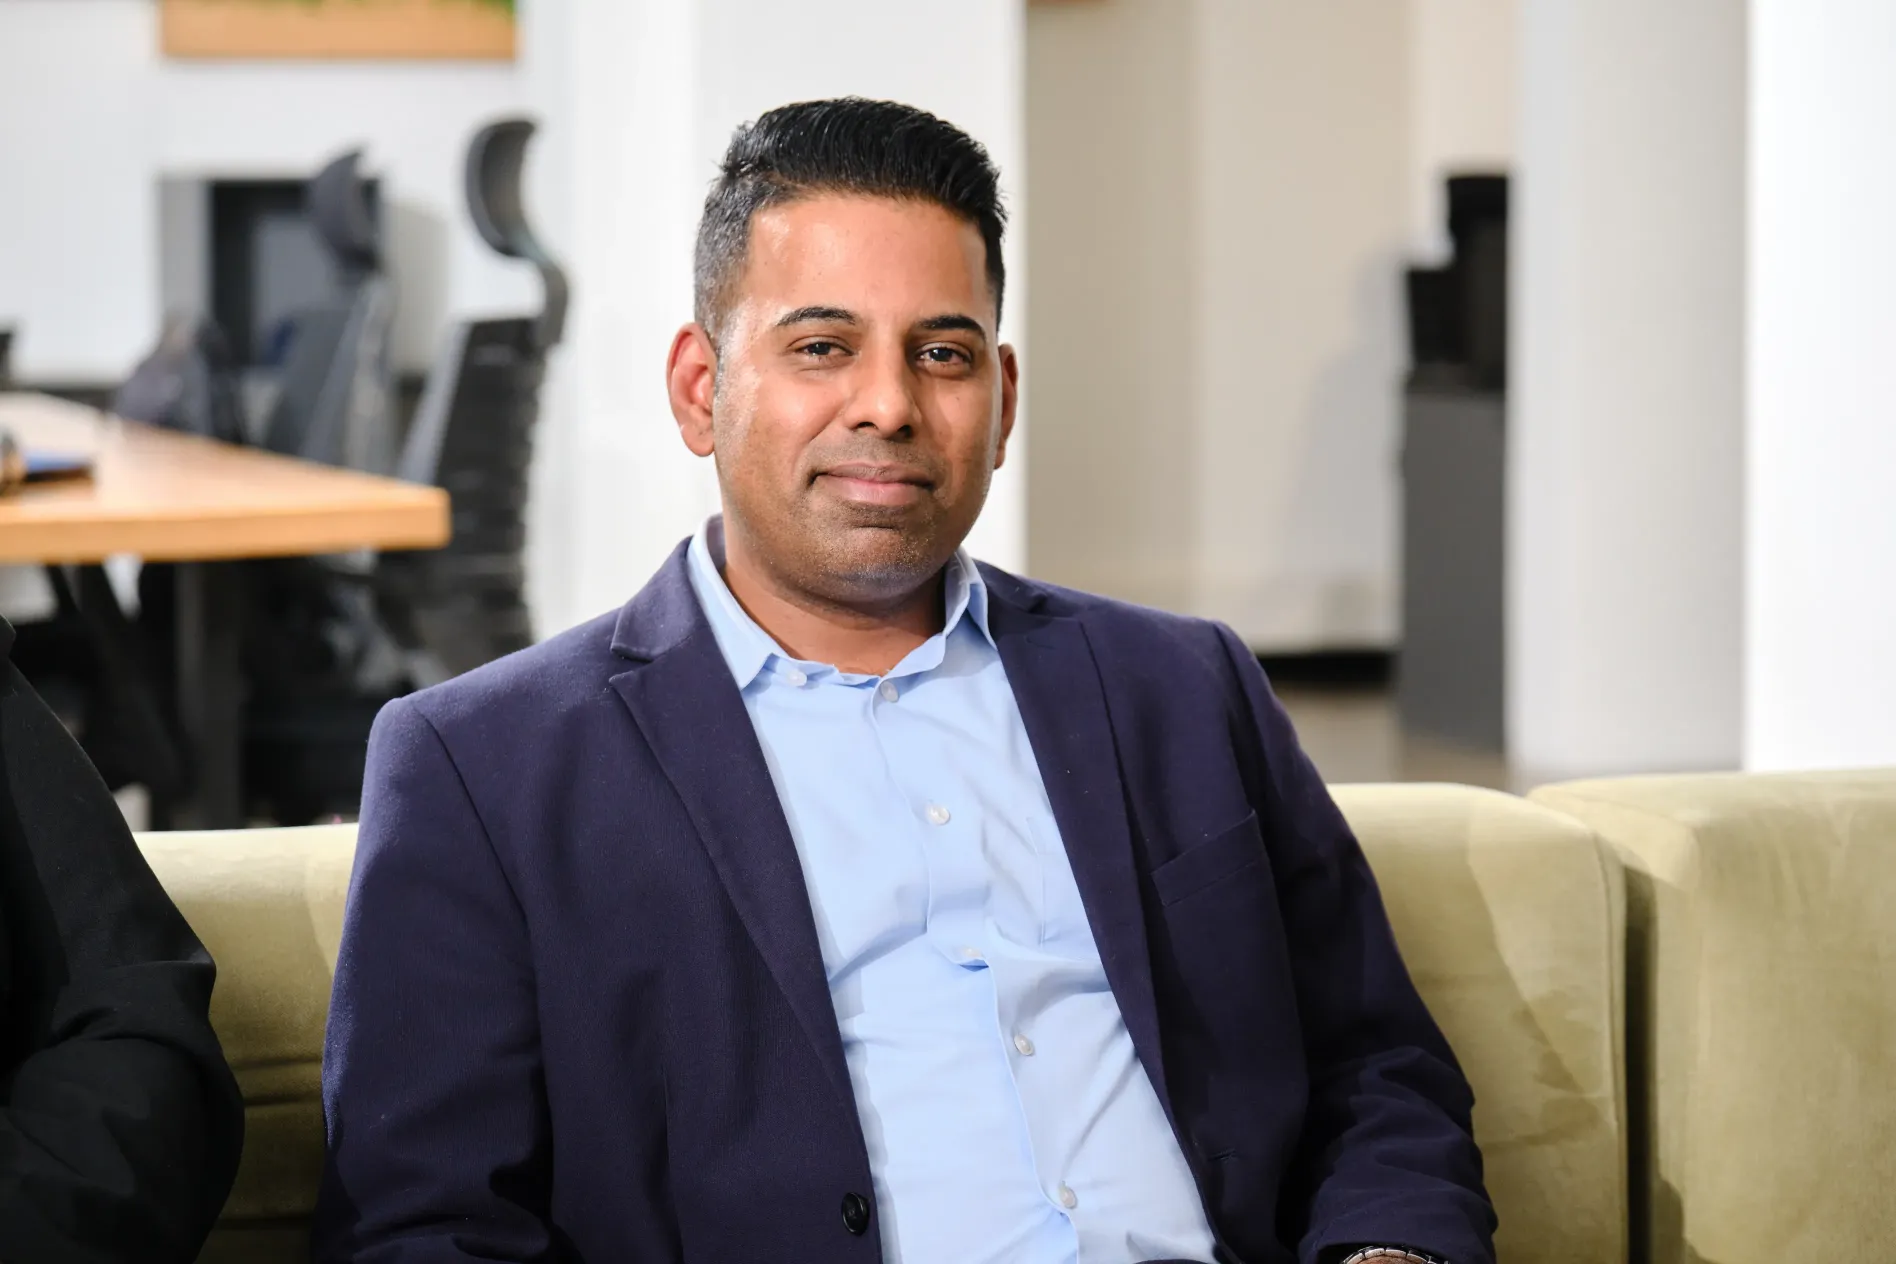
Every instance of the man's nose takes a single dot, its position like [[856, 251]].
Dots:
[[885, 399]]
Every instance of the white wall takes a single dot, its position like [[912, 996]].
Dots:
[[1820, 660], [1303, 131], [1112, 251], [77, 209], [1625, 566], [1226, 193], [1462, 104]]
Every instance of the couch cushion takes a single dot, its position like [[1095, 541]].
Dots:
[[1762, 954], [1509, 917], [268, 905]]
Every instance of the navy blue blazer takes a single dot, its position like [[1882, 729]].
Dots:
[[580, 1011]]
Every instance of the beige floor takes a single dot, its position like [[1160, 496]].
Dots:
[[1353, 735]]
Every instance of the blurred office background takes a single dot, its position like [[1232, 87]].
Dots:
[[1515, 376]]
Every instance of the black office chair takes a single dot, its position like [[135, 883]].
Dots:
[[473, 436], [447, 611], [336, 403], [309, 629], [188, 382], [317, 658]]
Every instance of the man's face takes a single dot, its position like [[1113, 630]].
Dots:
[[861, 400]]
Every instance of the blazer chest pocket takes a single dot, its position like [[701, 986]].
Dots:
[[1218, 859]]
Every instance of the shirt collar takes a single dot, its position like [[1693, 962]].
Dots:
[[748, 649]]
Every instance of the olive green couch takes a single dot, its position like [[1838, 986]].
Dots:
[[1761, 985], [1735, 938]]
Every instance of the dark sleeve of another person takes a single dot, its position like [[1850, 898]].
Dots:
[[120, 1122], [1388, 1155]]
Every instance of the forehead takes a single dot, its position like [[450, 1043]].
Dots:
[[869, 254]]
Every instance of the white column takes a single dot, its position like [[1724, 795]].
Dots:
[[1820, 658], [655, 91], [1625, 559], [1113, 497], [619, 490], [78, 206]]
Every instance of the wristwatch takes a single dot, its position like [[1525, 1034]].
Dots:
[[1391, 1253]]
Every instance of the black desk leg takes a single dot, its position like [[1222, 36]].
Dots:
[[210, 690]]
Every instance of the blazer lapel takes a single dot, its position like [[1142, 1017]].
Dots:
[[680, 692], [1056, 684]]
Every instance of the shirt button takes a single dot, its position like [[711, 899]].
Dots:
[[1067, 1197], [888, 691], [970, 954], [795, 679], [1025, 1046], [937, 814]]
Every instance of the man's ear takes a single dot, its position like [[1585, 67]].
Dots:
[[691, 379], [1010, 399]]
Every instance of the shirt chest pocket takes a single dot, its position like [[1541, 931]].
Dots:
[[1060, 912], [1235, 855]]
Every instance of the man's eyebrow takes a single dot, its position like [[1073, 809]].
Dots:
[[954, 321], [802, 315]]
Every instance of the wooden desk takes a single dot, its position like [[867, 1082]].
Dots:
[[173, 498]]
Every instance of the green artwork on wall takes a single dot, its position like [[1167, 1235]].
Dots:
[[348, 29]]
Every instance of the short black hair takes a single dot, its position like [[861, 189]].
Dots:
[[844, 145]]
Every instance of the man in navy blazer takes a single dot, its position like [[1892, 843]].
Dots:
[[840, 898]]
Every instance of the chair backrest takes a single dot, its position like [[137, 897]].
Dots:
[[1761, 936], [473, 436], [188, 382], [1510, 918], [336, 405], [337, 401], [496, 201], [337, 199]]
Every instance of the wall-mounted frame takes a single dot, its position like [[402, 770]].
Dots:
[[475, 30]]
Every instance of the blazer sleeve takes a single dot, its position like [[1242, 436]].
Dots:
[[438, 1132], [120, 1123], [1388, 1155]]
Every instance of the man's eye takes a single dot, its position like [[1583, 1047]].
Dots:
[[819, 350], [945, 355]]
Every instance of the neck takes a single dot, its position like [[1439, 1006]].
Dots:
[[868, 638]]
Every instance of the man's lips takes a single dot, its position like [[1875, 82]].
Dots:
[[877, 484]]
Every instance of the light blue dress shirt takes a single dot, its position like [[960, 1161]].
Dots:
[[1007, 1117]]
